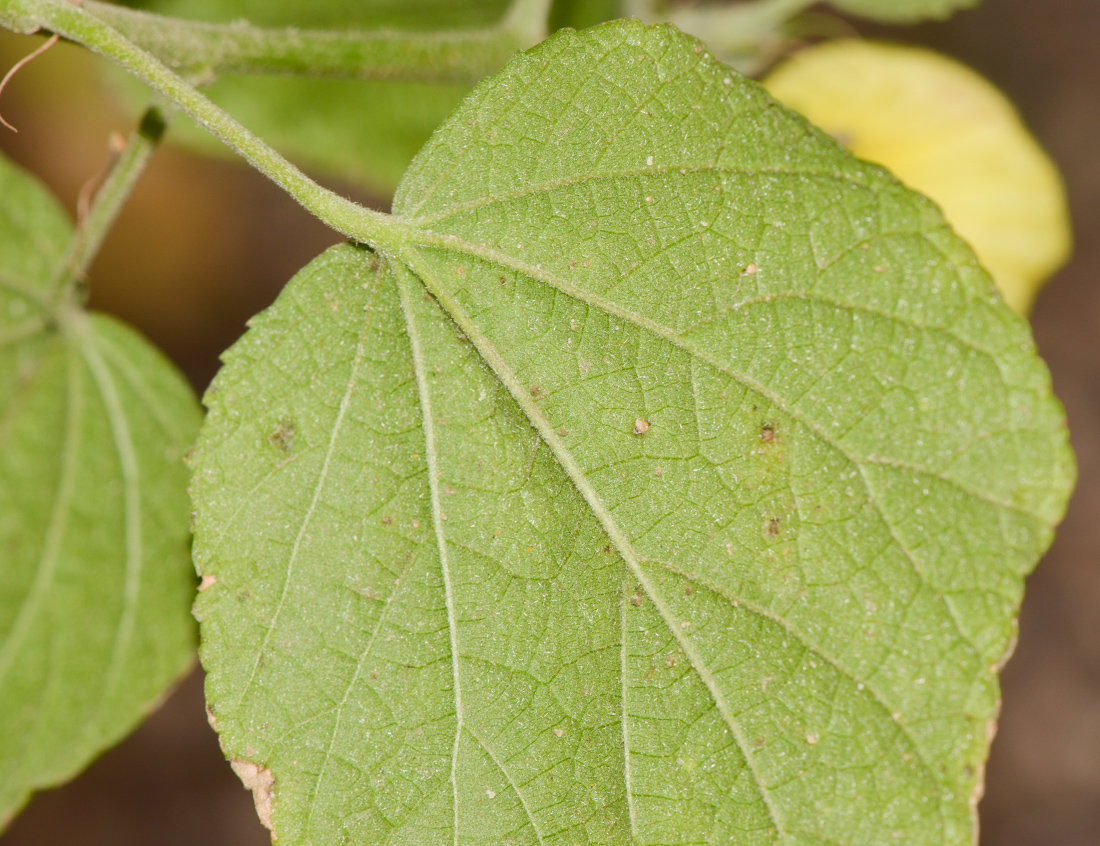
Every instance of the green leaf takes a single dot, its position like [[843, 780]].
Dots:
[[675, 483], [903, 11], [95, 580], [363, 130]]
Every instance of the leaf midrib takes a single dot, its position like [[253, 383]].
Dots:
[[673, 339], [432, 459], [508, 262], [504, 373]]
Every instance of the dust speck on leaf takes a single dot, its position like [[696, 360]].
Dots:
[[641, 426], [491, 793], [558, 732], [262, 784]]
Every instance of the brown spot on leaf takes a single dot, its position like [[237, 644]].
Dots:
[[750, 269], [767, 433], [773, 527], [207, 581], [262, 784], [283, 436], [641, 426]]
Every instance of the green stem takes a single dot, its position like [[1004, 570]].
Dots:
[[112, 194], [61, 16], [201, 49]]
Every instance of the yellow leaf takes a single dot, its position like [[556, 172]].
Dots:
[[947, 132]]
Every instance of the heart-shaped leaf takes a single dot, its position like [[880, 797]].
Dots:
[[674, 482], [95, 577]]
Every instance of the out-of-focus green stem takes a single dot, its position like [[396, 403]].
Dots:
[[201, 49], [112, 194], [74, 23]]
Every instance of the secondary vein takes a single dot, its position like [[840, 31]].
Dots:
[[432, 456]]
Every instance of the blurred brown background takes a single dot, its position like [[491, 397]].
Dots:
[[204, 244]]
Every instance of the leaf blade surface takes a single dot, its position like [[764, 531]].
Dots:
[[769, 398]]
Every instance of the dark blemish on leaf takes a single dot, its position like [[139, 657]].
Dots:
[[658, 472], [636, 600], [563, 433], [207, 582], [460, 271], [670, 661], [536, 390], [759, 743], [386, 521], [374, 674], [689, 590], [428, 296], [607, 550], [416, 524], [773, 527], [641, 426], [767, 433]]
